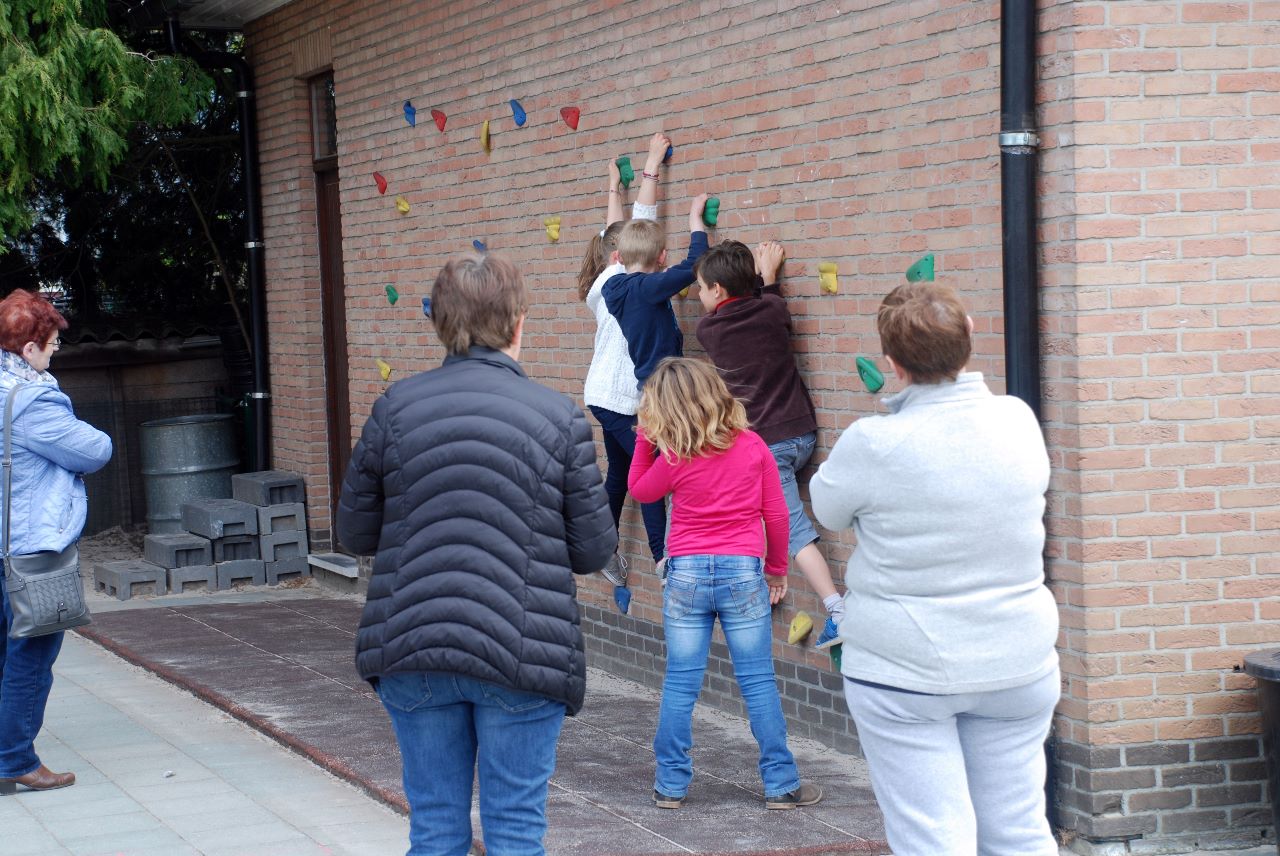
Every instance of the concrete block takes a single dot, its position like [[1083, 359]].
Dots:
[[180, 578], [118, 579], [336, 563], [219, 518], [253, 570], [177, 550], [292, 516], [268, 487], [287, 568], [283, 545], [236, 547]]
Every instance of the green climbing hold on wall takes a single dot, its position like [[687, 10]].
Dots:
[[625, 173], [922, 270], [392, 295], [870, 375], [711, 211]]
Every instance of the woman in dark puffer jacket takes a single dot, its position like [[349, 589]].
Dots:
[[478, 493]]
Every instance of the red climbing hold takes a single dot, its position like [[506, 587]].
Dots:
[[440, 119], [380, 181], [570, 116]]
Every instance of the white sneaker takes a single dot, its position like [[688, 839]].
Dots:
[[616, 570]]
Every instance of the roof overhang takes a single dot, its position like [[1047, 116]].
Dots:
[[203, 14]]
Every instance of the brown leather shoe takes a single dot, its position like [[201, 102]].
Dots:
[[39, 779]]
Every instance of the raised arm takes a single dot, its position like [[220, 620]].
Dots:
[[647, 199], [615, 197]]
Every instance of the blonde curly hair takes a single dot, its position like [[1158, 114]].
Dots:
[[686, 410]]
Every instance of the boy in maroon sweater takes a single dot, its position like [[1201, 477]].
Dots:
[[747, 334]]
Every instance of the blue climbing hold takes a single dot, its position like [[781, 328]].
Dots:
[[426, 306], [622, 597], [517, 113], [671, 150], [410, 114], [479, 245]]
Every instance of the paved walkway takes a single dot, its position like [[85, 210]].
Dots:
[[159, 773]]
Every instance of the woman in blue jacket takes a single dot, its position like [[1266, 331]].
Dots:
[[51, 449]]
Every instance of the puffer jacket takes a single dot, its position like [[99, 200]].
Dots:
[[52, 449], [478, 493]]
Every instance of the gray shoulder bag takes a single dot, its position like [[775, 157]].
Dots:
[[44, 589]]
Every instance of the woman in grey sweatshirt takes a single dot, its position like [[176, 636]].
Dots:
[[949, 662]]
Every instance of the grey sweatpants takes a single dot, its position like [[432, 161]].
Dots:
[[959, 775]]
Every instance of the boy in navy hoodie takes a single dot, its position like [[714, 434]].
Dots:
[[641, 298]]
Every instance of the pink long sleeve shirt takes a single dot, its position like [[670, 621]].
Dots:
[[718, 501]]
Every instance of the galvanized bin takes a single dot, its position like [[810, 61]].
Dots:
[[185, 458]]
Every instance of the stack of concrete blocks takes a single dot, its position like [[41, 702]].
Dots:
[[278, 501], [186, 558], [232, 529]]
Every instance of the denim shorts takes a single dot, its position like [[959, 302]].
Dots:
[[792, 454]]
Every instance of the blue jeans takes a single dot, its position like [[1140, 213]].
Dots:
[[700, 589], [26, 676], [619, 448], [791, 455], [445, 724]]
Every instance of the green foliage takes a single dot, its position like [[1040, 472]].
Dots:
[[70, 92]]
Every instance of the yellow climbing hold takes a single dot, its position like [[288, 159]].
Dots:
[[553, 227], [402, 205], [827, 277], [384, 369], [484, 137], [801, 626]]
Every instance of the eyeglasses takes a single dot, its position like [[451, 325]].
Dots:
[[55, 344]]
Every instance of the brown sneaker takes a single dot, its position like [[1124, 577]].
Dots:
[[806, 794], [661, 800]]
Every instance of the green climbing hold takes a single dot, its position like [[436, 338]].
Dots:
[[711, 211], [870, 375], [392, 295], [625, 173], [921, 271]]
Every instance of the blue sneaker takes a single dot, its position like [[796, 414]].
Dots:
[[830, 635]]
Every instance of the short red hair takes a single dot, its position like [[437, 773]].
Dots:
[[27, 317]]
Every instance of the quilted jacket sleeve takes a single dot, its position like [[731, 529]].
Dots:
[[588, 523], [49, 428], [360, 506]]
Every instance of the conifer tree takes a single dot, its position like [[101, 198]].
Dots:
[[70, 90]]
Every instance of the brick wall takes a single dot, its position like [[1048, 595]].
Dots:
[[866, 136], [1161, 182]]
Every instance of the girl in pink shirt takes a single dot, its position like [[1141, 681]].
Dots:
[[727, 554]]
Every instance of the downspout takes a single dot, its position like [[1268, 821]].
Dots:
[[1018, 205], [1018, 145], [259, 397]]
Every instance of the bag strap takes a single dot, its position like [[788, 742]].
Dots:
[[7, 462]]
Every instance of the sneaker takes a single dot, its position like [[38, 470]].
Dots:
[[616, 570], [806, 794], [829, 636], [661, 800]]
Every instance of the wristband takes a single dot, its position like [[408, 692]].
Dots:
[[647, 174]]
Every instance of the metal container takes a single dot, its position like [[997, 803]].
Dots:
[[185, 458]]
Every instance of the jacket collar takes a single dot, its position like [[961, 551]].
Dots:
[[479, 353], [967, 385]]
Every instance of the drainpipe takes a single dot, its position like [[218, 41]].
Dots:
[[1018, 147], [260, 396], [1018, 144]]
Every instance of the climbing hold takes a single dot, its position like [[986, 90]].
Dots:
[[440, 119], [801, 626], [827, 277], [684, 292], [553, 227], [671, 150], [711, 211], [517, 112], [484, 137], [570, 116], [392, 295], [922, 270], [410, 114], [622, 597], [835, 651], [380, 181], [426, 306], [479, 245], [383, 369], [402, 205], [870, 375], [625, 173]]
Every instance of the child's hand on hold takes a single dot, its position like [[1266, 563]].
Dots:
[[657, 151], [615, 178], [770, 257], [777, 588], [695, 213]]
